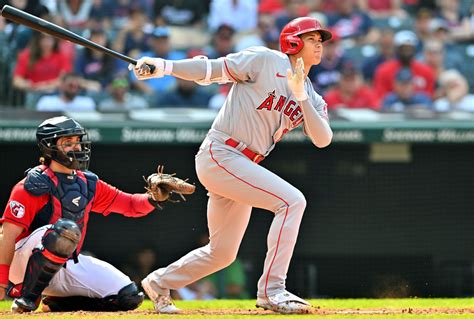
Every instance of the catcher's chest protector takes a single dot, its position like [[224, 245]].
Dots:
[[70, 195]]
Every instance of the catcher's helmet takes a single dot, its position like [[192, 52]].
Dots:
[[48, 133], [291, 43]]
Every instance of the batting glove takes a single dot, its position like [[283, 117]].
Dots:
[[296, 80], [143, 71]]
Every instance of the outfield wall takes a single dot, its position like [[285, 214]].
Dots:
[[366, 222]]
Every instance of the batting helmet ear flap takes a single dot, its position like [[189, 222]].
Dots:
[[290, 43], [293, 44]]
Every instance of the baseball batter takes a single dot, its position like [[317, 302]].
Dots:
[[271, 95], [45, 223]]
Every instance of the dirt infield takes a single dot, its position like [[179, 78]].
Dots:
[[258, 312], [416, 311]]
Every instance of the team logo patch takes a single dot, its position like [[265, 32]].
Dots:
[[18, 210]]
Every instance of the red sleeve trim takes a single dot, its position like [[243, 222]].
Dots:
[[13, 221], [228, 71]]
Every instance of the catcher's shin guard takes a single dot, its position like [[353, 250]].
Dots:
[[58, 244], [128, 298]]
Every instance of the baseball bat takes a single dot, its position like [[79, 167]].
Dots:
[[21, 17]]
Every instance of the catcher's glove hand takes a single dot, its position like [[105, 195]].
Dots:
[[161, 186]]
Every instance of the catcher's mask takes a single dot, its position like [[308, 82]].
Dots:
[[51, 130], [291, 43]]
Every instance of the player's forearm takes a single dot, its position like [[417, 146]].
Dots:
[[202, 71], [195, 69], [130, 205], [7, 249], [316, 127]]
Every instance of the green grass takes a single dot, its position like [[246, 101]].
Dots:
[[396, 303], [443, 309]]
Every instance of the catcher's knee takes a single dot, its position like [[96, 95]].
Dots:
[[63, 238], [129, 297]]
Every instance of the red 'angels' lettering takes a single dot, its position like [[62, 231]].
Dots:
[[280, 103], [289, 109]]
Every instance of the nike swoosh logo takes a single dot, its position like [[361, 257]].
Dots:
[[278, 75]]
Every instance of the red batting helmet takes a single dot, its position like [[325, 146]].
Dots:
[[291, 43]]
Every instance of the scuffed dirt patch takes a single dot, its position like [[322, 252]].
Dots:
[[258, 312]]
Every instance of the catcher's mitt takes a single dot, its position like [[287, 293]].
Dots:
[[161, 186]]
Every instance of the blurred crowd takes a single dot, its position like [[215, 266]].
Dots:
[[385, 55]]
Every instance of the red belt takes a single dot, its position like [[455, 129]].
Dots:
[[254, 157]]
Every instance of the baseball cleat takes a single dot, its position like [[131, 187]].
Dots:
[[161, 303], [284, 302], [20, 305]]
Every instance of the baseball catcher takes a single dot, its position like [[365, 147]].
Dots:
[[45, 223]]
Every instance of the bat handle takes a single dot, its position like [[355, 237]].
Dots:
[[134, 62], [152, 67]]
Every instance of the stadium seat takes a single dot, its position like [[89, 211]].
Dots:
[[467, 53], [358, 54], [394, 23]]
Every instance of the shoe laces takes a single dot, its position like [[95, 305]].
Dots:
[[164, 300]]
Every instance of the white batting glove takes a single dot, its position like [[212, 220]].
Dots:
[[296, 80], [142, 70]]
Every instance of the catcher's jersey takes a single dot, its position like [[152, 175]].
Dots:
[[260, 107], [22, 208]]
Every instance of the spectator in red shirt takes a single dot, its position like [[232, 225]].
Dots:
[[382, 8], [39, 67], [404, 98], [351, 92], [270, 6], [45, 223], [405, 49]]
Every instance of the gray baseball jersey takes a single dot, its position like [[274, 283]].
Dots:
[[261, 100], [259, 110]]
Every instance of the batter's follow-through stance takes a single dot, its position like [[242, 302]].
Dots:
[[45, 222], [271, 95]]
